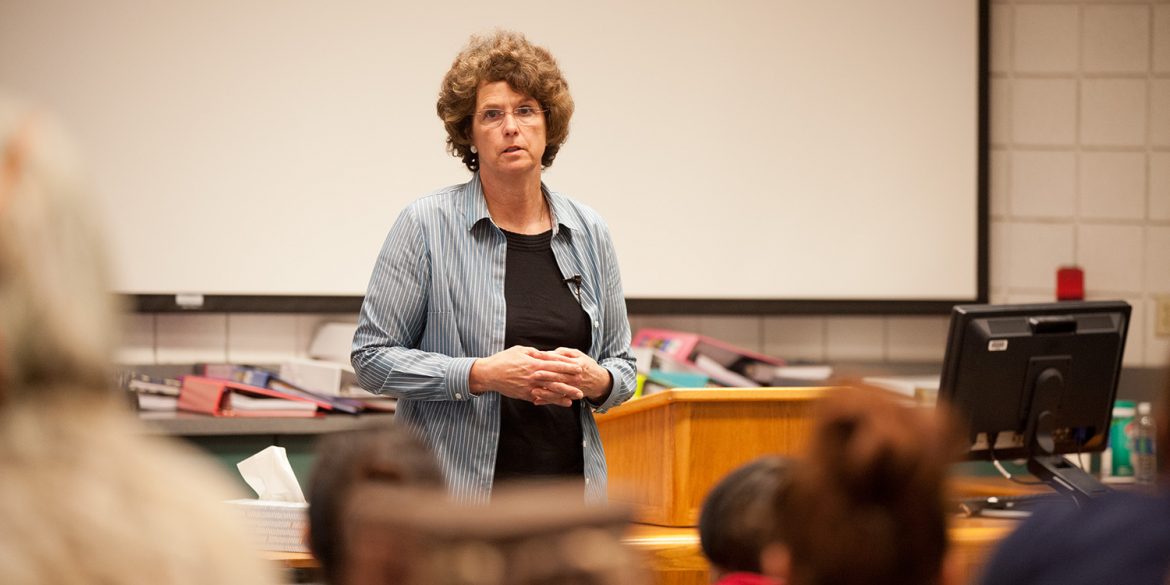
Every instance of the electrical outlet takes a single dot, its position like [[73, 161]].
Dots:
[[1162, 317]]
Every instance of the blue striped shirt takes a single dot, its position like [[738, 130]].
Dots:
[[435, 303]]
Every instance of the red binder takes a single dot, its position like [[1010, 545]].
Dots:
[[213, 396]]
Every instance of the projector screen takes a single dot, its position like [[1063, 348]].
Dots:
[[767, 150]]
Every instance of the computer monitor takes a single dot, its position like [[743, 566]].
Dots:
[[1036, 382]]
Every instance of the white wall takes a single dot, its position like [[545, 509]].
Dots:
[[1080, 168], [266, 146], [1081, 155]]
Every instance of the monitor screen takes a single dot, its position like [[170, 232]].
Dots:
[[1034, 380]]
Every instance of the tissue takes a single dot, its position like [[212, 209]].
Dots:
[[279, 518], [271, 476]]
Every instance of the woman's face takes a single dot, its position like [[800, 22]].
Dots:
[[510, 146]]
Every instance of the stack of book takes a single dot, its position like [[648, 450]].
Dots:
[[694, 360], [220, 397], [153, 394], [330, 397], [244, 391]]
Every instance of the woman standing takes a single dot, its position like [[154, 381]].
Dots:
[[495, 310]]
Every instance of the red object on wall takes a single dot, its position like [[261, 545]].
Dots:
[[1070, 283]]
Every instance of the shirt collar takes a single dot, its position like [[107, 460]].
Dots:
[[477, 209]]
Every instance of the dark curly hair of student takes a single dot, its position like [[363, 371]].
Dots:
[[868, 504], [527, 68], [343, 460], [739, 515]]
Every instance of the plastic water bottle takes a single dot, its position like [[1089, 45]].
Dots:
[[1116, 465], [1145, 462]]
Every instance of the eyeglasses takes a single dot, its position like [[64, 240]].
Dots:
[[524, 115]]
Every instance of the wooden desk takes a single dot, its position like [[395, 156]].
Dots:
[[675, 557], [973, 540], [292, 560], [672, 554]]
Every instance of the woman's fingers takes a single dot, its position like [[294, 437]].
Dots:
[[545, 396], [568, 391], [554, 356], [559, 368]]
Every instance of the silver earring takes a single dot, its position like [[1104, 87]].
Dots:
[[474, 150]]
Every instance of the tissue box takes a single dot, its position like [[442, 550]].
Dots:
[[275, 526]]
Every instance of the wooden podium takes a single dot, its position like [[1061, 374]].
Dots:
[[667, 450]]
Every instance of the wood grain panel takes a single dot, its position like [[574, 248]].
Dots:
[[666, 451]]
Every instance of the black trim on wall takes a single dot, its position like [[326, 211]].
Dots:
[[246, 304], [352, 304], [983, 170], [163, 303], [787, 307]]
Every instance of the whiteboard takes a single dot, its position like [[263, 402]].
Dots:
[[738, 149]]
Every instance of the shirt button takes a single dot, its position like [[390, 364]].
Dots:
[[584, 443], [596, 324], [586, 481], [458, 396]]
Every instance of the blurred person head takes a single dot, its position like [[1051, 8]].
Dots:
[[57, 326], [868, 503], [740, 526], [87, 495], [390, 455], [525, 69], [530, 534]]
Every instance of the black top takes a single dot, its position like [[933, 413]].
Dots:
[[543, 312], [1115, 538]]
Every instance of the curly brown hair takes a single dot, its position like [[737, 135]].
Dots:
[[529, 69]]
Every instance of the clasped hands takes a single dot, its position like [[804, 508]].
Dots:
[[556, 377]]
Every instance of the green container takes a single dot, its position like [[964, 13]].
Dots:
[[1118, 465]]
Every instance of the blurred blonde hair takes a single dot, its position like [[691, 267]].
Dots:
[[87, 494], [57, 326]]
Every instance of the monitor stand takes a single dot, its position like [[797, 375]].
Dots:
[[1066, 478], [1043, 462]]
